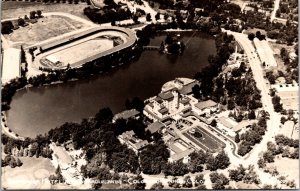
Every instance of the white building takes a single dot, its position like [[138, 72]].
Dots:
[[132, 142], [11, 64], [205, 107]]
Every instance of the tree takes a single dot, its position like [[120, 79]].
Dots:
[[39, 13], [213, 123], [251, 114], [32, 15], [187, 182], [157, 186], [157, 16], [196, 91], [19, 162], [6, 27], [138, 183], [135, 19], [237, 138], [258, 34], [219, 180], [261, 163], [222, 160], [251, 36], [199, 180], [148, 17], [21, 22]]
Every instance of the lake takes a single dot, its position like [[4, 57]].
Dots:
[[36, 110]]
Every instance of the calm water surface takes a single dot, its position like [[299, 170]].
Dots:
[[37, 110]]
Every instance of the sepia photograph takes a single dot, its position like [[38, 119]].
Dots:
[[149, 94]]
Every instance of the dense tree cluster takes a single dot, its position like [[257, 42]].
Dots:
[[11, 161], [29, 147], [177, 168], [154, 157], [237, 91], [97, 136], [219, 181], [281, 139], [200, 158], [224, 49], [252, 136], [247, 175], [107, 14]]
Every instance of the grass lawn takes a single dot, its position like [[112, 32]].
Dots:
[[29, 175], [12, 9], [44, 29], [289, 167]]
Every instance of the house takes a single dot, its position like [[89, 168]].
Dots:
[[205, 107], [243, 124], [132, 141], [289, 95], [127, 114], [155, 127]]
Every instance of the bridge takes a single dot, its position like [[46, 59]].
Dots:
[[151, 47]]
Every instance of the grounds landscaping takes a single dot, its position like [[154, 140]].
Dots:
[[45, 28], [12, 8], [29, 176], [205, 140]]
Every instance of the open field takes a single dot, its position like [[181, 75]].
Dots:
[[29, 175], [19, 9], [287, 167], [45, 28], [205, 139]]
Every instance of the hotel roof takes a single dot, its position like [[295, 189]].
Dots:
[[126, 114], [166, 95], [185, 100], [163, 110], [205, 104], [187, 88]]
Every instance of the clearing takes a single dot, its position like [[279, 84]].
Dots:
[[45, 28]]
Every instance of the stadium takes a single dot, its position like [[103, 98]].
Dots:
[[76, 49]]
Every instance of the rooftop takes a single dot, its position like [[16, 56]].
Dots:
[[205, 104], [154, 127], [187, 88], [163, 110], [242, 124], [181, 155], [126, 114], [226, 123], [141, 144], [166, 95], [11, 64], [185, 100]]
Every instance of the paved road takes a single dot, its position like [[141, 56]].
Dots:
[[274, 122], [276, 6]]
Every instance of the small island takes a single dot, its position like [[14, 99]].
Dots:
[[172, 45]]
